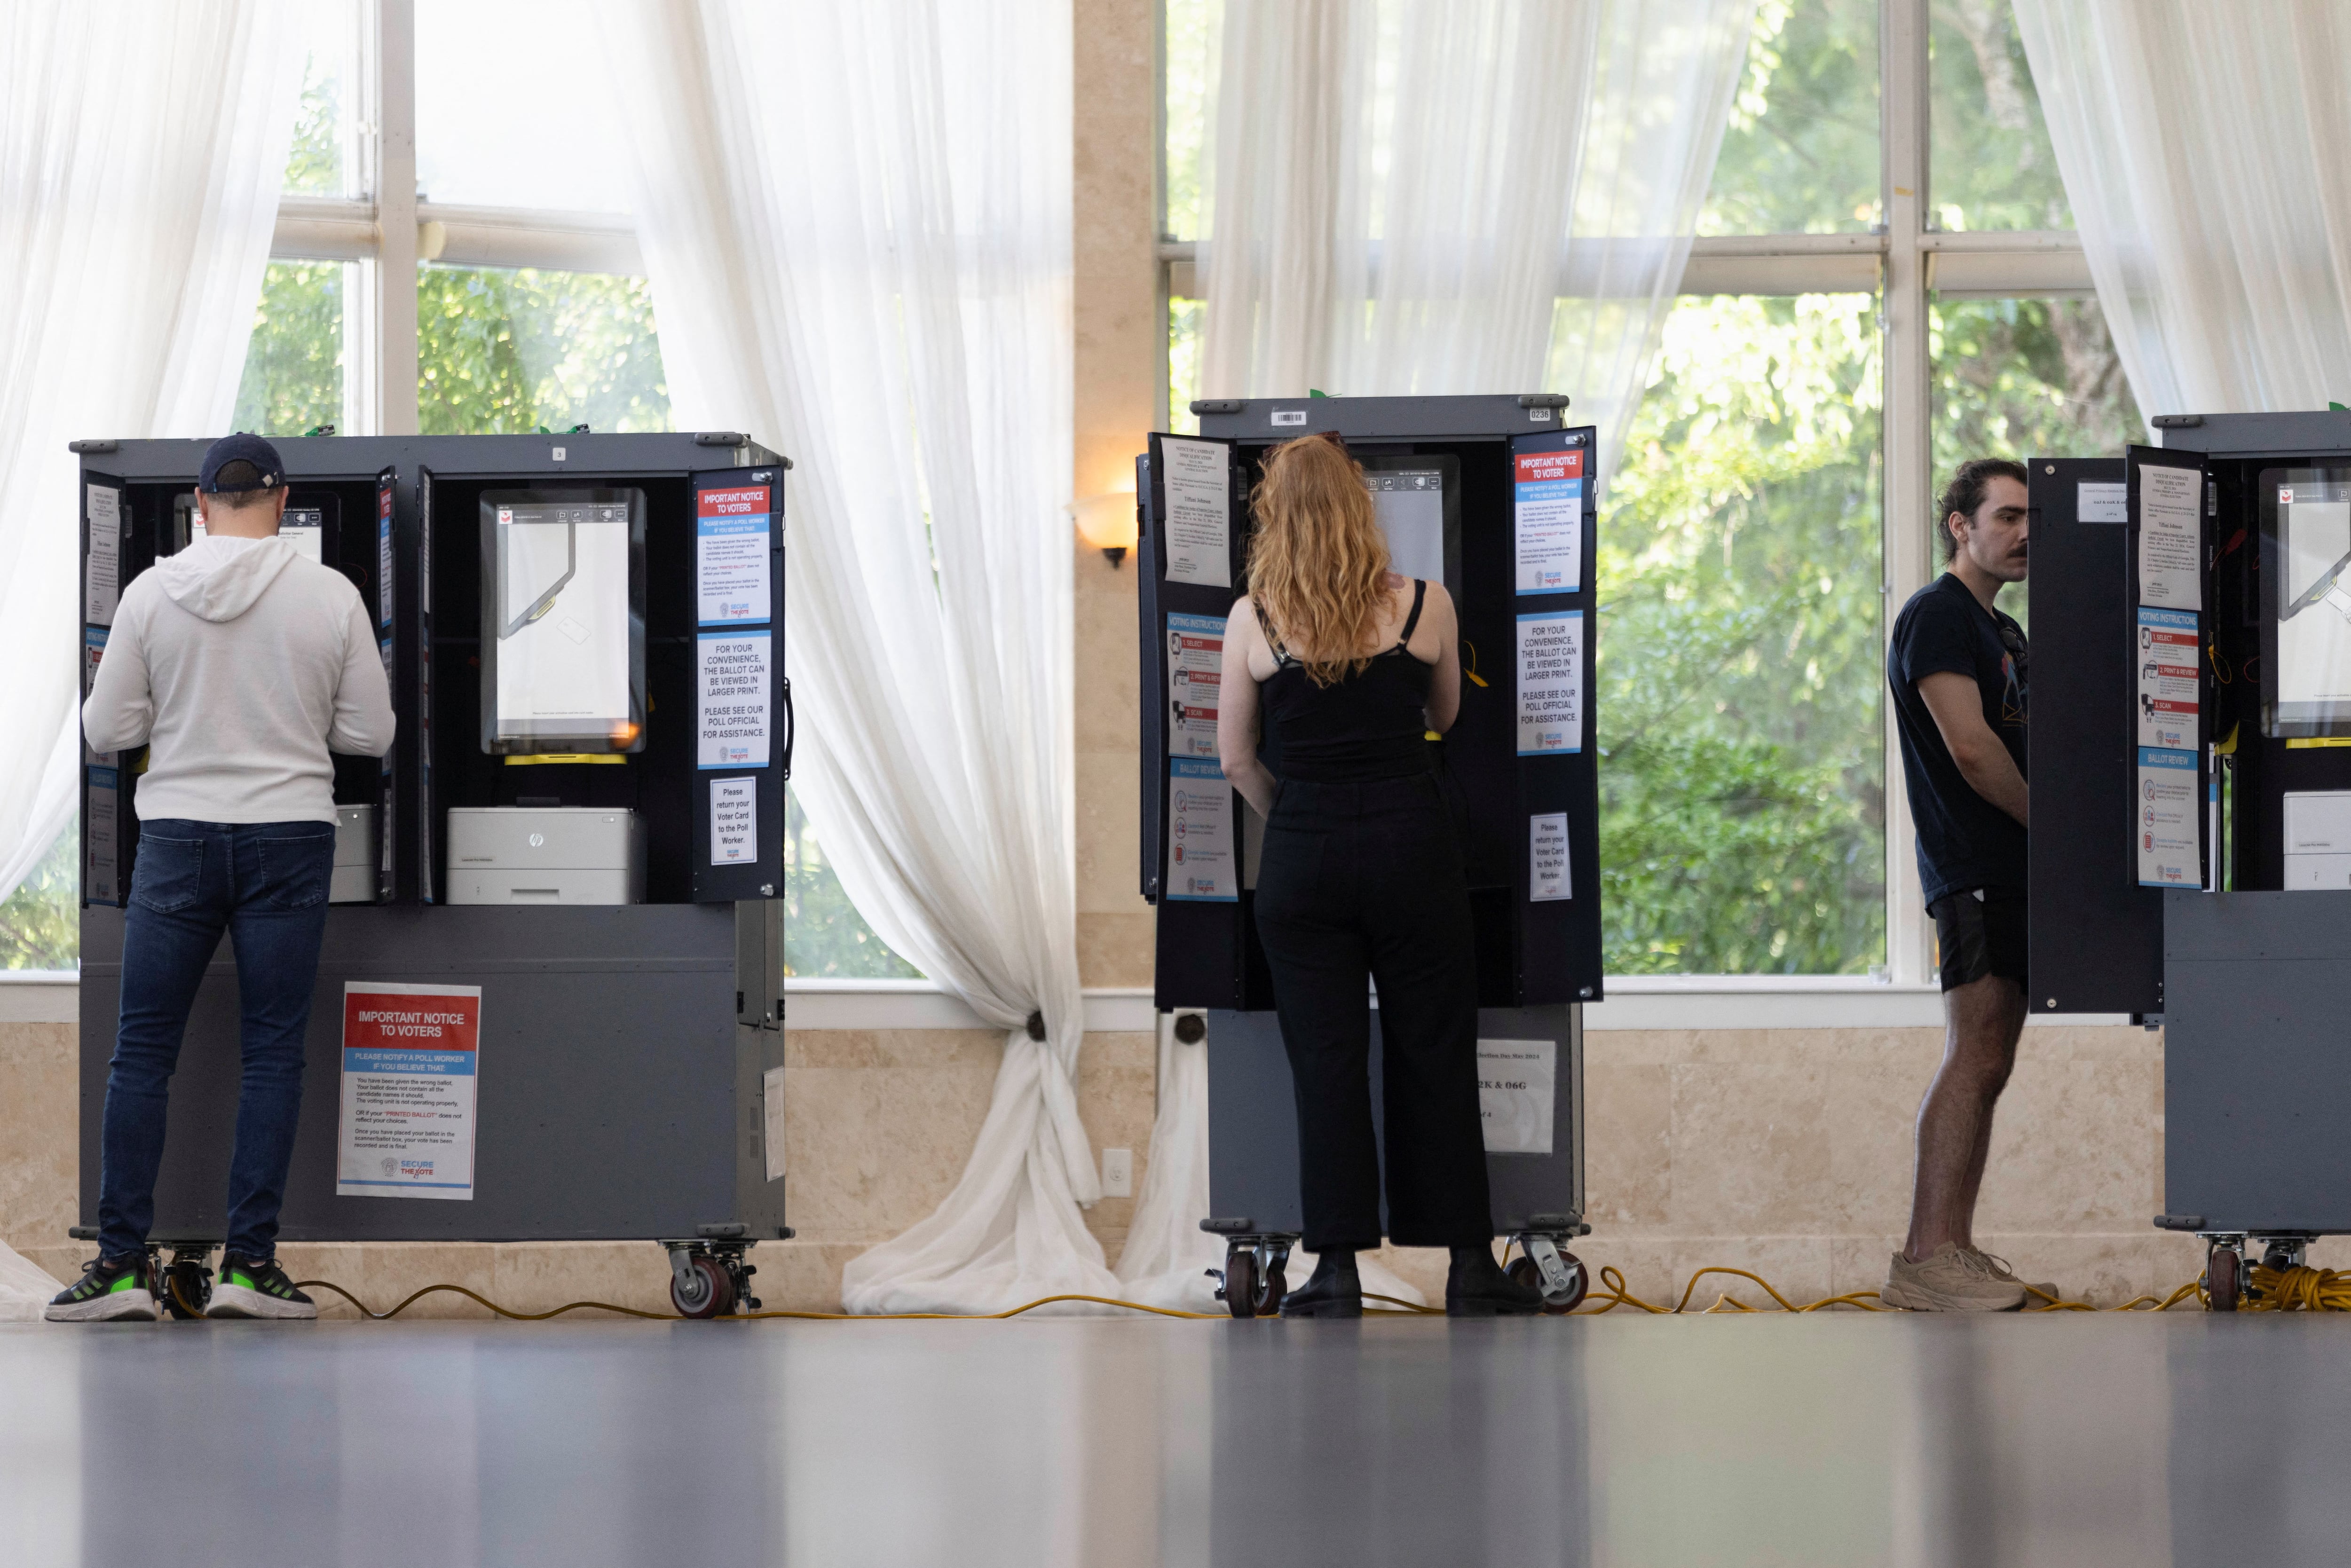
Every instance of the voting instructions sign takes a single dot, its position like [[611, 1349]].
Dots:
[[1548, 510], [730, 554], [406, 1121]]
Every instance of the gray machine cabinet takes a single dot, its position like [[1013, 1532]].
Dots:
[[624, 1049], [2255, 1091], [1253, 1123], [621, 1095]]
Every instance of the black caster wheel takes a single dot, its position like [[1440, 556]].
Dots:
[[1270, 1290], [1241, 1282], [2220, 1279], [717, 1297], [1523, 1271], [187, 1290]]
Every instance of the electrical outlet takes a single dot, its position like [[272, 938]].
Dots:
[[1118, 1173]]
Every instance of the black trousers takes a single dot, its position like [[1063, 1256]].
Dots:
[[1362, 882]]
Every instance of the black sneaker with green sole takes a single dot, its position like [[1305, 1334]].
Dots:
[[112, 1290], [257, 1287]]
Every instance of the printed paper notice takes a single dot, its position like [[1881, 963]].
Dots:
[[1195, 660], [2169, 850], [771, 1104], [1549, 515], [1201, 866], [1550, 683], [410, 1052], [1515, 1079], [2168, 571], [1199, 511], [100, 871], [730, 554], [733, 821], [733, 716], [2100, 502], [1547, 869], [384, 560], [2167, 662], [103, 567]]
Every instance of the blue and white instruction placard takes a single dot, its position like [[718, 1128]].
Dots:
[[1550, 683], [1201, 865], [2170, 847], [406, 1123], [732, 680], [730, 554], [2167, 662], [1549, 517], [1196, 663]]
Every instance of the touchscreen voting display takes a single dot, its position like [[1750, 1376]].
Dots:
[[2311, 535], [1411, 506], [1417, 500], [563, 621]]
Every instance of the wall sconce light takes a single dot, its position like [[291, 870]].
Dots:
[[1107, 522]]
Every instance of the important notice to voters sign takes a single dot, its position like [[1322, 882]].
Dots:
[[406, 1127], [1549, 517], [730, 554]]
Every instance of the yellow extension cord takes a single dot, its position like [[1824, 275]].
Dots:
[[2298, 1289]]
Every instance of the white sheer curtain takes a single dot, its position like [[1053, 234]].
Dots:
[[2205, 156], [1433, 196], [856, 221], [1460, 195], [140, 151]]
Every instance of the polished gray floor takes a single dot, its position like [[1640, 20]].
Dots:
[[1818, 1440]]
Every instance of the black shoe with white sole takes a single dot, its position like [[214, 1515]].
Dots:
[[257, 1287], [112, 1290]]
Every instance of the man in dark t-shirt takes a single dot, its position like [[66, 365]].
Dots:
[[1957, 671]]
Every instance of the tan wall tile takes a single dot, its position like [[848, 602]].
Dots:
[[41, 1144], [1116, 949], [1110, 816]]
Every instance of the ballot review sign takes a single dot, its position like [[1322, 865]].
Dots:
[[405, 1124]]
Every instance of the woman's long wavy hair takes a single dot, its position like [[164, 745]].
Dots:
[[1318, 562]]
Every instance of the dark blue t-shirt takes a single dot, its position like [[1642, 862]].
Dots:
[[1964, 841]]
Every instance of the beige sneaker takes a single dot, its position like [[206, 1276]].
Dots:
[[2039, 1293], [1952, 1280]]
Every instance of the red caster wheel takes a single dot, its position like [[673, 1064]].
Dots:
[[1524, 1271], [709, 1292]]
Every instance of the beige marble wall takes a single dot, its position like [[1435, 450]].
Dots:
[[878, 1125], [1119, 399], [1782, 1151]]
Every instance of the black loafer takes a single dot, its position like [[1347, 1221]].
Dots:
[[1475, 1287]]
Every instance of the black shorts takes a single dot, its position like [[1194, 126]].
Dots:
[[1980, 932]]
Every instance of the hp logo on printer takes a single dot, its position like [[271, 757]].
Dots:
[[538, 841]]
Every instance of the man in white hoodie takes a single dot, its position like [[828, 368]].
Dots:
[[240, 664]]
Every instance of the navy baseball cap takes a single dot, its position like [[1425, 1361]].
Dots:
[[241, 447]]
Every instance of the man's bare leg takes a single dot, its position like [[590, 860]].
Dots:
[[1983, 1019]]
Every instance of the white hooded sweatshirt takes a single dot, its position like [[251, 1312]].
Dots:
[[240, 664]]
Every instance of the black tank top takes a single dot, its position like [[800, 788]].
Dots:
[[1360, 727]]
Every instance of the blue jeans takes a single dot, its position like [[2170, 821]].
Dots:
[[266, 883]]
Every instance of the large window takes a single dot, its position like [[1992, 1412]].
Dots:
[[526, 310], [1742, 794], [1884, 283]]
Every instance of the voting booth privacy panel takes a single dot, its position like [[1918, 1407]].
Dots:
[[1493, 497], [555, 900], [2190, 765]]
